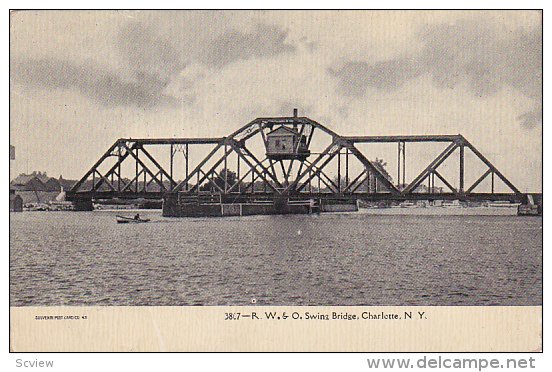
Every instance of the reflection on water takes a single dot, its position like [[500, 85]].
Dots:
[[86, 258]]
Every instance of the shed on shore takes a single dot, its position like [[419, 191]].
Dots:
[[16, 203]]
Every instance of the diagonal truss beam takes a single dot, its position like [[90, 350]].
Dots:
[[445, 181], [327, 181], [365, 179], [330, 151], [318, 172], [242, 179], [135, 179], [121, 158], [313, 170], [211, 177], [352, 183], [373, 169], [186, 180], [113, 169], [95, 166], [103, 179], [479, 180], [210, 171], [491, 166], [248, 153], [161, 170], [237, 149], [430, 168], [323, 177], [144, 167]]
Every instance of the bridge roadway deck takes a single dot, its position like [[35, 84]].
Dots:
[[509, 197]]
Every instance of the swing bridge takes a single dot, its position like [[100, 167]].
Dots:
[[293, 159]]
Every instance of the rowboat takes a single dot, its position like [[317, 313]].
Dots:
[[123, 219]]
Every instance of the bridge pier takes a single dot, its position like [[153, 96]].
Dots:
[[170, 206], [531, 205], [83, 205]]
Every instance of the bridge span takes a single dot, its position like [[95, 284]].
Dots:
[[286, 165]]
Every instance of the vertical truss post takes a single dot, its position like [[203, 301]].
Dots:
[[225, 168], [404, 163], [286, 181], [339, 170], [119, 168], [346, 167], [492, 182], [145, 184], [288, 172], [429, 183], [461, 168], [171, 165], [238, 175], [136, 162], [187, 167], [401, 160], [399, 165], [319, 181], [253, 182]]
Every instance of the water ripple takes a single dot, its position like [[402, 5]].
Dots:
[[354, 259]]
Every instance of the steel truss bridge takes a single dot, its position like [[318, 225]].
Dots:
[[237, 168]]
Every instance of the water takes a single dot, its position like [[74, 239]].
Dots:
[[85, 258]]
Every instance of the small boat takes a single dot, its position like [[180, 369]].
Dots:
[[123, 219], [407, 204]]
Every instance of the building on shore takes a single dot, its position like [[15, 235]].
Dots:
[[38, 188], [16, 202], [39, 181]]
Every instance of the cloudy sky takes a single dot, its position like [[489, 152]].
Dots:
[[79, 80]]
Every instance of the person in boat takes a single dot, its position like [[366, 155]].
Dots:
[[137, 217]]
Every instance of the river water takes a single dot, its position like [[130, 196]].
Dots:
[[400, 257]]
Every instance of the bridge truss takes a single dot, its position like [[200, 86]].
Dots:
[[237, 168]]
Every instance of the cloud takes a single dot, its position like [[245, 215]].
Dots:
[[147, 54], [147, 64], [483, 55], [355, 77], [531, 119], [479, 54], [308, 44], [149, 69], [264, 41], [108, 88]]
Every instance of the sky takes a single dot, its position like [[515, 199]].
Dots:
[[81, 79]]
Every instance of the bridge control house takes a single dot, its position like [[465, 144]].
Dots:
[[285, 143]]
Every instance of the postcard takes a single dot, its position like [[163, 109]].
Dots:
[[276, 180]]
